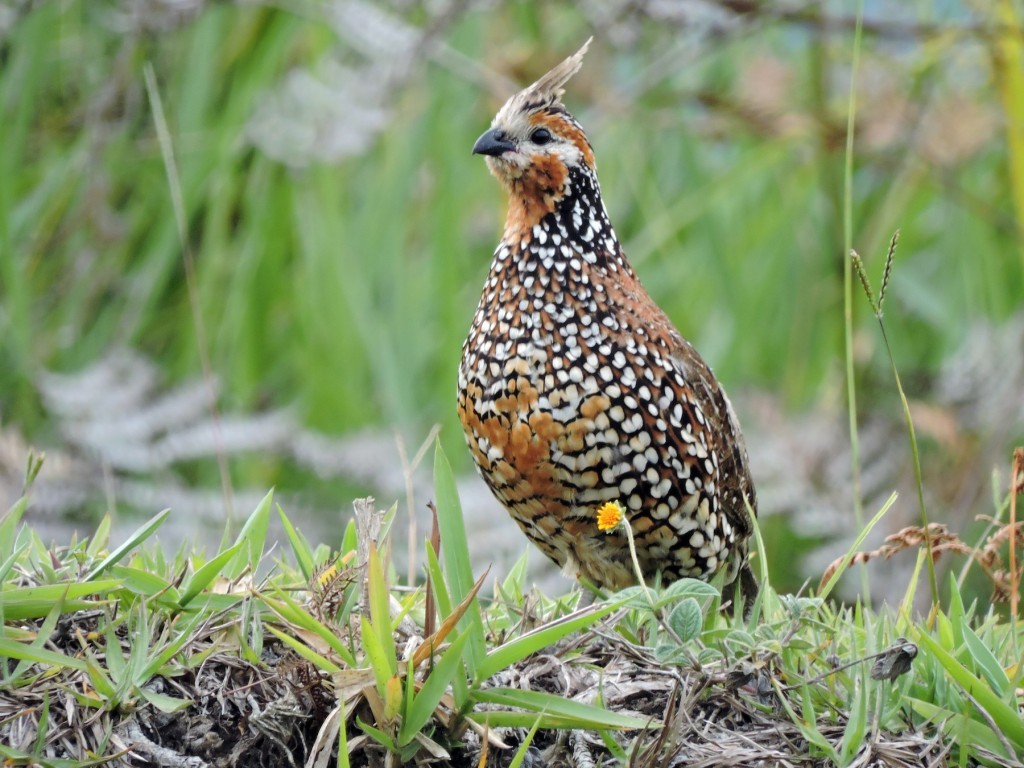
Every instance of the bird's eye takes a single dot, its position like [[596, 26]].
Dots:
[[541, 136]]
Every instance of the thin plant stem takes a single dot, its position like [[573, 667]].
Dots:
[[918, 482], [192, 284], [851, 386], [857, 264], [636, 561]]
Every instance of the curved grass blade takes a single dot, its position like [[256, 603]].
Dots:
[[141, 533]]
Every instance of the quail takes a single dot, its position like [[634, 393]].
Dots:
[[575, 390]]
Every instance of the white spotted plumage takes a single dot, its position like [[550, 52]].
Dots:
[[575, 389]]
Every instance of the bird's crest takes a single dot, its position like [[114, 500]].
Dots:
[[548, 90]]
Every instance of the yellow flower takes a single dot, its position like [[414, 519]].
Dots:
[[609, 516]]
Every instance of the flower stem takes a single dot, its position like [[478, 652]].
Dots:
[[636, 561]]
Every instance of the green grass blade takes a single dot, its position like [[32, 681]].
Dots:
[[206, 573], [113, 654], [145, 583], [343, 761], [254, 537], [5, 568], [23, 603], [969, 732], [1006, 718], [378, 735], [557, 709], [455, 554], [180, 637], [163, 702], [43, 635], [292, 613], [14, 650], [305, 651], [444, 600], [100, 539], [460, 686], [425, 702], [377, 656], [380, 612], [9, 526], [142, 533], [856, 724], [848, 557], [300, 547], [524, 748], [986, 661], [515, 650]]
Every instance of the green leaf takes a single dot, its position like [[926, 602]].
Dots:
[[986, 661], [759, 607], [387, 521], [460, 687], [853, 734], [305, 651], [338, 713], [686, 619], [9, 526], [956, 612], [444, 600], [206, 573], [855, 546], [524, 748], [138, 649], [509, 653], [670, 653], [350, 540], [635, 598], [145, 583], [378, 735], [1006, 718], [180, 637], [113, 654], [515, 580], [300, 547], [425, 702], [17, 757], [100, 539], [141, 533], [380, 611], [683, 588], [163, 702], [23, 603], [104, 685], [42, 637], [967, 731], [293, 613], [455, 553], [556, 710], [377, 656], [43, 728], [13, 650], [253, 536], [6, 566]]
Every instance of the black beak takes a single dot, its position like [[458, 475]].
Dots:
[[495, 143]]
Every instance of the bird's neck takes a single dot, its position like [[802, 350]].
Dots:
[[569, 222]]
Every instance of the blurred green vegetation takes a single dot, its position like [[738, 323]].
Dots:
[[342, 283]]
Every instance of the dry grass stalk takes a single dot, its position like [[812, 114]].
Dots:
[[1005, 581]]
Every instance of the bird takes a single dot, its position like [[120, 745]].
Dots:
[[576, 391]]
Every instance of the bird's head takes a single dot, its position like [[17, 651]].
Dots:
[[533, 142]]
